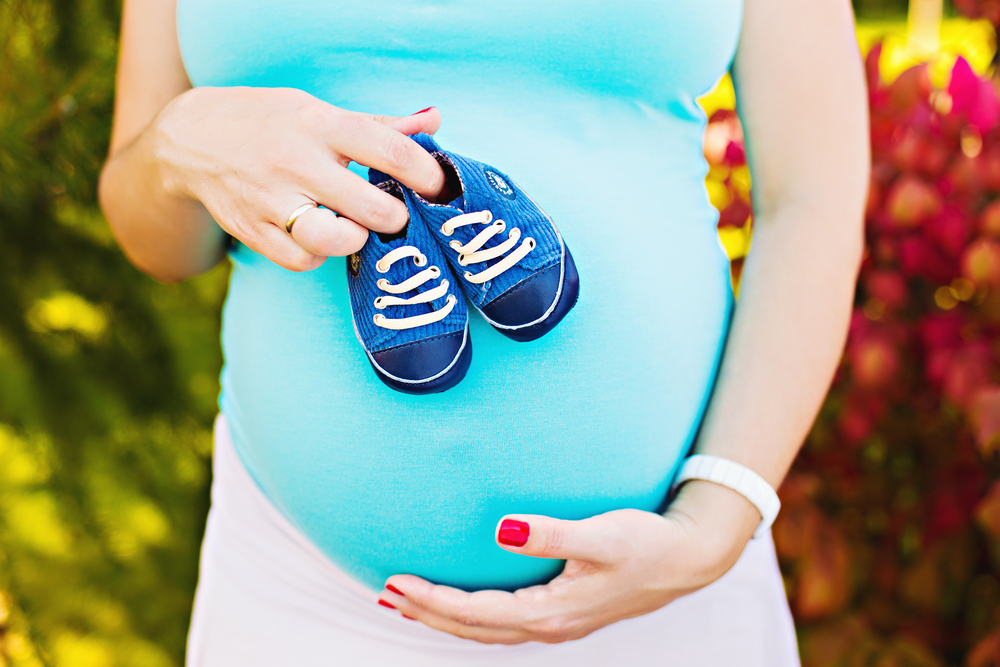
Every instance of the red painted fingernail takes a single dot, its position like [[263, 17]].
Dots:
[[513, 533], [385, 604], [395, 590], [409, 618], [421, 111]]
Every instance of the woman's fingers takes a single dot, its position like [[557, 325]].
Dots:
[[457, 624], [529, 614], [483, 635], [592, 540], [373, 144], [356, 199], [523, 611], [427, 121], [321, 232], [275, 244]]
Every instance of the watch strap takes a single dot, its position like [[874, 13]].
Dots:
[[737, 477]]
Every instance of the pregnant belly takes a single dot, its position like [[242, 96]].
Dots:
[[593, 417]]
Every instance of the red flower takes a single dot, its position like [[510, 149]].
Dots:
[[984, 412], [911, 88], [735, 155], [911, 201], [736, 214], [973, 96], [989, 220], [886, 286], [980, 9], [874, 360], [918, 257], [950, 231], [968, 371], [981, 262]]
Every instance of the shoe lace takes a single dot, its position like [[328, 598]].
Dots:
[[411, 283], [473, 251]]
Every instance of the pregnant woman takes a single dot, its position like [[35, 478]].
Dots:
[[525, 515]]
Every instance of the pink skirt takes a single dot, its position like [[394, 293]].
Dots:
[[267, 596]]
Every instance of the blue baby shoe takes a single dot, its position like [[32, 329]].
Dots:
[[408, 313], [511, 261]]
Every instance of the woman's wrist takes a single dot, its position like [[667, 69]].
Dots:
[[722, 520], [167, 148]]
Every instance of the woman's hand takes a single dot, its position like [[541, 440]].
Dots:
[[618, 565], [252, 156]]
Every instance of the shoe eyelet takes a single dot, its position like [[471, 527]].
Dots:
[[378, 267], [455, 245], [489, 217], [378, 303], [382, 283], [500, 225], [420, 260], [461, 261], [378, 319], [436, 270], [530, 242], [468, 276], [445, 230]]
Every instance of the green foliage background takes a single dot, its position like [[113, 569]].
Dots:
[[107, 380]]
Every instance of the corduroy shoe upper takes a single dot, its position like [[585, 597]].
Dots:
[[509, 257], [409, 313]]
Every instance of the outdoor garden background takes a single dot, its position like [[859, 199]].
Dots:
[[890, 533]]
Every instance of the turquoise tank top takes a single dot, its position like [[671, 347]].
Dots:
[[590, 106]]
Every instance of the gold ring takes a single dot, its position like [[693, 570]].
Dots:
[[296, 213]]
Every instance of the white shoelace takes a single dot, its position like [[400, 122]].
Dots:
[[411, 283], [472, 252]]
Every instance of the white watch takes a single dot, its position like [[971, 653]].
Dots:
[[740, 479]]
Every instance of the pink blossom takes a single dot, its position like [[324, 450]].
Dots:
[[973, 96]]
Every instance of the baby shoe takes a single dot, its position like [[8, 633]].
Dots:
[[408, 313], [511, 261]]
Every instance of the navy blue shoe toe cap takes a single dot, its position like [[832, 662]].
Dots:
[[427, 366], [529, 300]]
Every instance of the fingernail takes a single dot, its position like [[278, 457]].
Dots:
[[513, 533], [422, 111], [385, 604], [395, 590], [409, 618]]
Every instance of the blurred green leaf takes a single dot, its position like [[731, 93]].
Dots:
[[107, 379]]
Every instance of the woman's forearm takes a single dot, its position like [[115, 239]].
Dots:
[[801, 96], [787, 336], [170, 237], [784, 345]]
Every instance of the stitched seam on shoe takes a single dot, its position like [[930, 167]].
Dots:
[[524, 283], [555, 304], [418, 342], [559, 302], [465, 341]]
